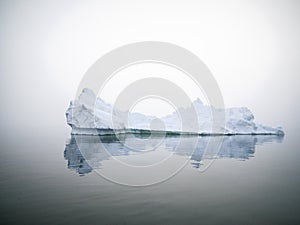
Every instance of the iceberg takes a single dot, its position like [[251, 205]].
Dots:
[[90, 115]]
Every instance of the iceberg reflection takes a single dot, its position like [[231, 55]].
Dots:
[[85, 153]]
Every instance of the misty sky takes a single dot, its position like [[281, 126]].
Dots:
[[251, 47]]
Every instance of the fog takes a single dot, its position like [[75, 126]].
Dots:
[[251, 47]]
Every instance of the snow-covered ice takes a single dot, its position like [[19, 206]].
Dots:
[[91, 115]]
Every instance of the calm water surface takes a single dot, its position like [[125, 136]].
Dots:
[[54, 179]]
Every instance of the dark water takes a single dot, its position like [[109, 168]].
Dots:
[[54, 179]]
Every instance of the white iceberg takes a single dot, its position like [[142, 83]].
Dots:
[[92, 116]]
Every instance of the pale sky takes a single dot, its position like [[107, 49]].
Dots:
[[251, 47]]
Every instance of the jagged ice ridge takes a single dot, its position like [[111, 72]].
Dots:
[[93, 116]]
